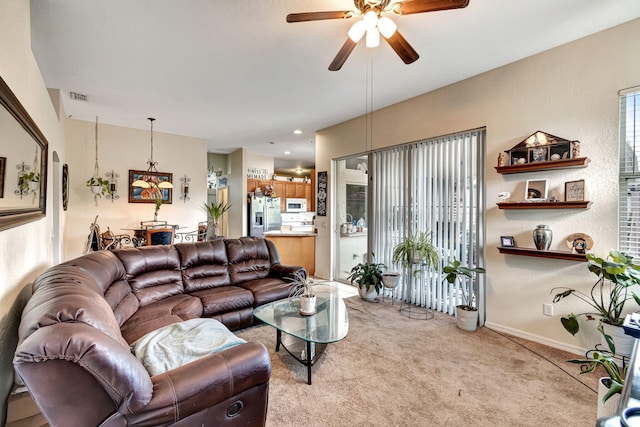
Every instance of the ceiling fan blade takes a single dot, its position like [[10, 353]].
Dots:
[[318, 16], [420, 6], [342, 55], [402, 47]]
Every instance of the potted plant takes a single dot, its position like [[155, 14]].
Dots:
[[99, 186], [303, 288], [158, 203], [609, 294], [609, 387], [416, 249], [368, 276], [466, 313], [214, 212], [29, 182]]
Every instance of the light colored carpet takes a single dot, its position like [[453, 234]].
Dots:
[[395, 371]]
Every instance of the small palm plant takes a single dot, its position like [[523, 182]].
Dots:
[[214, 212]]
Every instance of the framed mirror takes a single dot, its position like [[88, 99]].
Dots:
[[23, 164]]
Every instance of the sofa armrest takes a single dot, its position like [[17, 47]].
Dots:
[[286, 272], [204, 383]]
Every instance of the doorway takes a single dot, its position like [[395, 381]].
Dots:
[[352, 210]]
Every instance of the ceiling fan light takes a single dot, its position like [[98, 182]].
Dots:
[[373, 38], [370, 20], [387, 27], [357, 31]]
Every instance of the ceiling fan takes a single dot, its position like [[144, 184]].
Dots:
[[374, 23]]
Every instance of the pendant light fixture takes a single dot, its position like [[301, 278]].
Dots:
[[145, 180]]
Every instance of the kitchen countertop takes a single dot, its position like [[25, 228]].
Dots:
[[289, 234]]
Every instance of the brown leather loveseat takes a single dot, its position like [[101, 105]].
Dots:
[[73, 352]]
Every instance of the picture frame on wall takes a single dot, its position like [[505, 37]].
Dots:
[[3, 165], [574, 191], [149, 195], [507, 241], [321, 206]]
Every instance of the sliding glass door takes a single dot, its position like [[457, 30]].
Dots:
[[435, 185]]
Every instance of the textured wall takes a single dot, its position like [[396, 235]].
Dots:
[[570, 91]]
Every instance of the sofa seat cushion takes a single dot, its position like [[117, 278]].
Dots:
[[176, 345], [161, 313], [224, 299], [267, 290]]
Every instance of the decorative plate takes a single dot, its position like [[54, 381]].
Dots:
[[579, 242]]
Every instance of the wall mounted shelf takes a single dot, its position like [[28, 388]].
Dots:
[[582, 204], [578, 162], [543, 254]]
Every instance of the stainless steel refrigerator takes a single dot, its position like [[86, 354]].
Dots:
[[264, 215]]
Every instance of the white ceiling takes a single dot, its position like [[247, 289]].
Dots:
[[236, 74]]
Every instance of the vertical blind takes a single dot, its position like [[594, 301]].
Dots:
[[435, 185], [629, 215]]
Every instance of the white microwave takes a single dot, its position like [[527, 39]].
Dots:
[[295, 205]]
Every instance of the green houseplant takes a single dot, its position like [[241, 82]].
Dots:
[[303, 288], [416, 249], [466, 313], [612, 384], [368, 276], [214, 212], [616, 275], [25, 182], [99, 186]]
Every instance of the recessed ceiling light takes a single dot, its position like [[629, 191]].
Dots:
[[297, 131], [287, 152]]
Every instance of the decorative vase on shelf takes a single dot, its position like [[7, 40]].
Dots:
[[542, 236]]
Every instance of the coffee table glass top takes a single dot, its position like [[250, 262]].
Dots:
[[330, 323]]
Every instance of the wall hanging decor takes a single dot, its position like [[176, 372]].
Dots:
[[321, 206]]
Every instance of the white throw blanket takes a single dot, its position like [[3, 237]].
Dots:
[[180, 343]]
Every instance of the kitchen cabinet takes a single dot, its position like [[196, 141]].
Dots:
[[284, 189]]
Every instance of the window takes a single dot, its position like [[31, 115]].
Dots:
[[629, 220]]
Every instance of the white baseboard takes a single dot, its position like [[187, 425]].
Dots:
[[536, 338]]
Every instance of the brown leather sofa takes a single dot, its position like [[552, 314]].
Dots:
[[73, 352]]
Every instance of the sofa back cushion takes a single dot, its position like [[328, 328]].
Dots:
[[152, 271], [66, 294], [109, 274], [204, 265], [249, 259]]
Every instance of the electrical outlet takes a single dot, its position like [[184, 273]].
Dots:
[[547, 309]]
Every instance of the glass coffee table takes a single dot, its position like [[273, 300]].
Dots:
[[306, 337]]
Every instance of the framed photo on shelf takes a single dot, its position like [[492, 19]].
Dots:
[[574, 191], [535, 190], [507, 241], [149, 195]]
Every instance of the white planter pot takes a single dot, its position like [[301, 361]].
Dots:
[[307, 305], [610, 407], [390, 280], [369, 295], [467, 320], [33, 185], [96, 189], [622, 341]]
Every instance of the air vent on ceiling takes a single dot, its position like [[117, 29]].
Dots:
[[78, 96]]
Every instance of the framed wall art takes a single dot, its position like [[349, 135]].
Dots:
[[3, 166], [149, 195], [321, 206], [574, 191]]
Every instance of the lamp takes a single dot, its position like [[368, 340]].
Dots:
[[185, 180], [144, 181], [373, 25]]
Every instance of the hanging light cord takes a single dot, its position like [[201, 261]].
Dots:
[[96, 171]]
